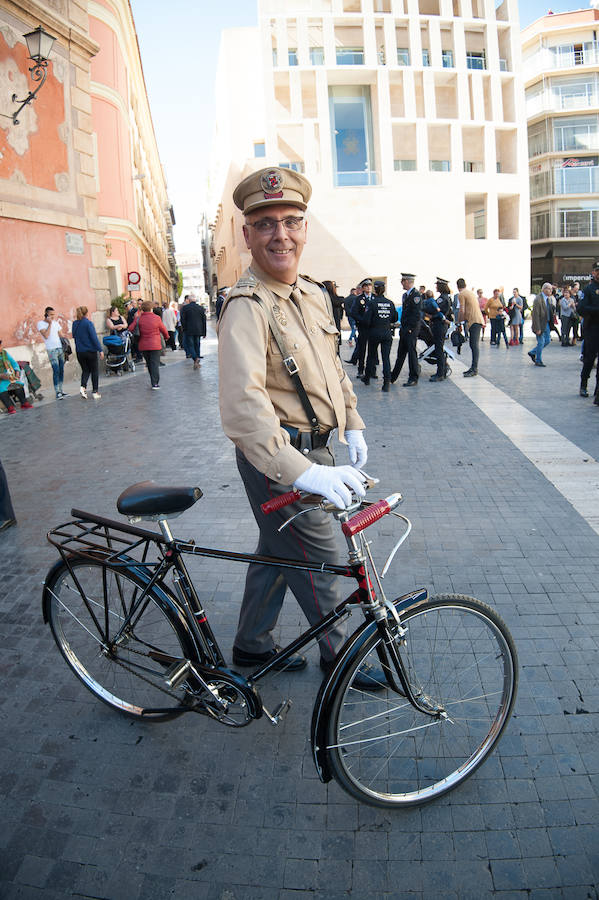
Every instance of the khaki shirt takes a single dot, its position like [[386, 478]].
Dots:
[[255, 391], [469, 308]]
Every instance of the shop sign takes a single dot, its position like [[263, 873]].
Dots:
[[578, 162]]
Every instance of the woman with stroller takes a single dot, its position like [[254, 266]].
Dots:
[[87, 347], [115, 322], [150, 329]]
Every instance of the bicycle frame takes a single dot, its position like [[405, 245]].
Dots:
[[189, 607]]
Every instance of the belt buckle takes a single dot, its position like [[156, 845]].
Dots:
[[291, 365]]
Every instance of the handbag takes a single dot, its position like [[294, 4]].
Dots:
[[66, 348]]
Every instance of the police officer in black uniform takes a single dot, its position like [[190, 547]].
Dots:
[[439, 313], [358, 312], [379, 318], [411, 314], [588, 308]]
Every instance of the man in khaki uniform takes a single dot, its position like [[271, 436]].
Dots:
[[277, 447], [471, 314]]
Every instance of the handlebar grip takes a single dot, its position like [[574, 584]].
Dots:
[[365, 518], [279, 502]]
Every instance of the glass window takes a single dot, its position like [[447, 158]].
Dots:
[[476, 60], [447, 57], [538, 141], [350, 56], [472, 166], [351, 128], [274, 57], [580, 133], [575, 95], [403, 57], [259, 149], [579, 178], [404, 165], [426, 57], [317, 56], [480, 228], [296, 166], [440, 165], [575, 223], [292, 54], [539, 226]]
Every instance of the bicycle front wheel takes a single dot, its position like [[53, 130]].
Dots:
[[458, 655], [123, 660]]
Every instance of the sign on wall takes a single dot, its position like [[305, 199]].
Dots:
[[133, 281], [74, 243]]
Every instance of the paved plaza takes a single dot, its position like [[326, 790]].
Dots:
[[95, 805]]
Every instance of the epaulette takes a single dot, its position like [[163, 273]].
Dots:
[[244, 287], [313, 281]]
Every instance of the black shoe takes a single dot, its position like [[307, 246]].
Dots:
[[541, 364], [394, 376], [365, 379], [293, 664], [376, 377], [360, 373], [161, 364], [583, 391], [532, 354], [385, 387], [410, 382], [7, 524], [352, 362], [367, 678], [596, 400], [470, 373], [437, 378]]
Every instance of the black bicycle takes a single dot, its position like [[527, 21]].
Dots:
[[130, 624]]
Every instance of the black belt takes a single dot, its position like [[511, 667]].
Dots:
[[306, 440]]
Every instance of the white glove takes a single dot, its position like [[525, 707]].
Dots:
[[358, 451], [332, 482]]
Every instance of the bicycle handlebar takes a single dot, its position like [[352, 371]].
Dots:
[[368, 516], [279, 502]]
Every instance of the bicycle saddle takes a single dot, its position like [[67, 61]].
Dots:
[[153, 500]]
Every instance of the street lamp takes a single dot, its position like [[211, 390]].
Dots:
[[39, 44]]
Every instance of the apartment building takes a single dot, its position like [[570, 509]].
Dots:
[[561, 71], [404, 115]]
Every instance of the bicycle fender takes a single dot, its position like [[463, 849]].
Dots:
[[162, 593], [328, 689]]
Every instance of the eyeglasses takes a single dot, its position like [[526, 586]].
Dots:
[[269, 226]]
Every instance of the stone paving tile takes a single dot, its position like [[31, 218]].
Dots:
[[98, 805]]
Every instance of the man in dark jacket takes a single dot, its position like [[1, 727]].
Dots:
[[588, 308], [358, 312], [193, 322], [411, 306], [379, 319]]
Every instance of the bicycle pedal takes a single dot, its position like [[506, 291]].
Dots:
[[177, 673], [278, 713]]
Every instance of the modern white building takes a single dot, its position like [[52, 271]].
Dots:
[[561, 71], [408, 118], [192, 270]]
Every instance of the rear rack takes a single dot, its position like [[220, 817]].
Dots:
[[89, 536]]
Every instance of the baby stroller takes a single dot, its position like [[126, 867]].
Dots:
[[117, 358], [427, 353]]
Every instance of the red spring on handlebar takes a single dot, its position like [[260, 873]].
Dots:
[[365, 518], [279, 502]]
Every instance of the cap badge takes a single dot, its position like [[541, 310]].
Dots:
[[271, 183]]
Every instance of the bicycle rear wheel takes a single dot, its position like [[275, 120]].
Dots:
[[457, 653], [124, 667]]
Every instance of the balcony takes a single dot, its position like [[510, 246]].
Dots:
[[550, 58], [476, 61], [350, 57]]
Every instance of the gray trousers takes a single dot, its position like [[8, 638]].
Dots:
[[309, 538]]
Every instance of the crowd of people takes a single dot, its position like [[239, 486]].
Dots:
[[433, 316]]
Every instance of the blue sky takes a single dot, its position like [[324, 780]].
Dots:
[[179, 49]]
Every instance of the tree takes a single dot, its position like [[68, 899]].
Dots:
[[179, 283]]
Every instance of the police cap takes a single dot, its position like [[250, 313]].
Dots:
[[444, 281], [379, 284], [408, 275], [595, 266], [365, 282], [270, 187]]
